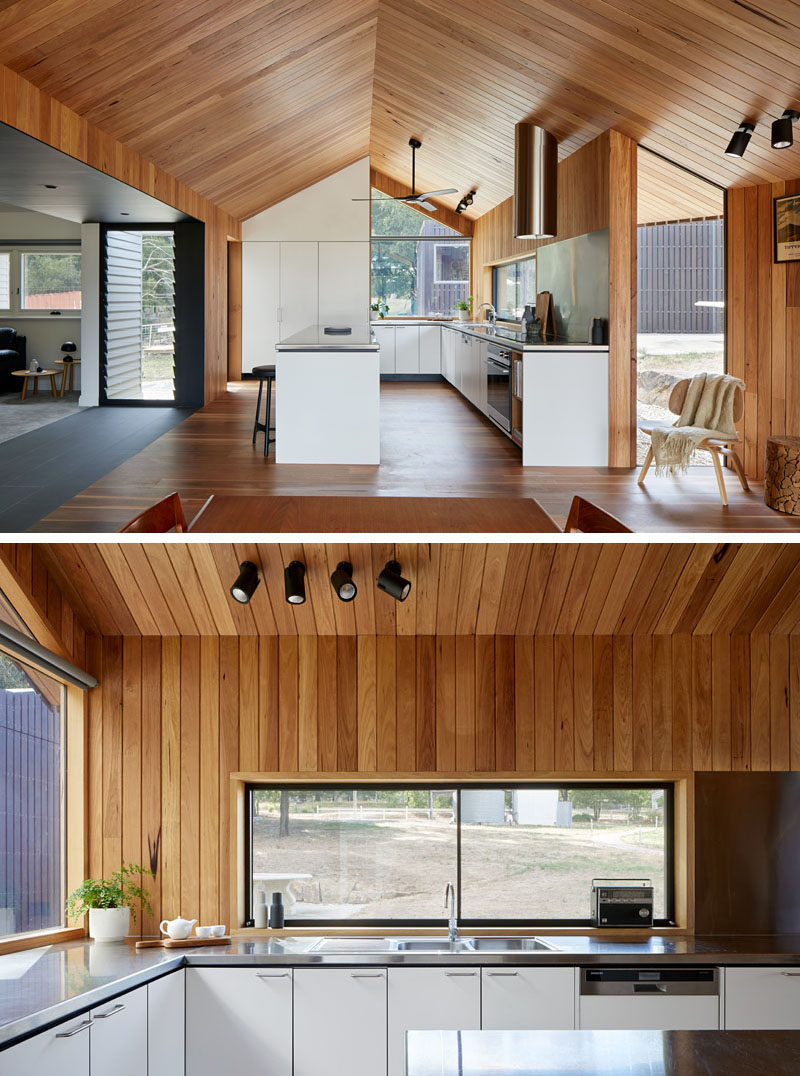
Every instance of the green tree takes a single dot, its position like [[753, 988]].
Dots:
[[11, 674], [45, 273]]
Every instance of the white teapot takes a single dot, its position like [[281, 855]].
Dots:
[[177, 929]]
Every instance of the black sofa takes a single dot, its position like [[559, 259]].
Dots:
[[12, 357]]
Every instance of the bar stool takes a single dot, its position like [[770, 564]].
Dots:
[[264, 373]]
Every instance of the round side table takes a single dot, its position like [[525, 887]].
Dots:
[[67, 375], [782, 474], [34, 375]]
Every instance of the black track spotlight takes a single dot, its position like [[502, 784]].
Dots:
[[740, 141], [466, 201], [342, 581], [782, 136], [246, 582], [391, 581], [294, 583]]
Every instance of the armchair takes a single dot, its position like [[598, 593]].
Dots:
[[13, 356]]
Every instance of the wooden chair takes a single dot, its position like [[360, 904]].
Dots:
[[586, 518], [165, 516], [716, 447]]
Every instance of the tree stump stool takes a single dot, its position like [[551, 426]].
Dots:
[[782, 475]]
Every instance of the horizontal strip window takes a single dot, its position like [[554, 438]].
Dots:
[[27, 649], [423, 238], [517, 854]]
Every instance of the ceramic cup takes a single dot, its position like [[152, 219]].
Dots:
[[218, 931], [204, 932]]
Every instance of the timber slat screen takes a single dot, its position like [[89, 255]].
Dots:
[[679, 265]]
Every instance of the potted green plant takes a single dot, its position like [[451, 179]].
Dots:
[[110, 903], [381, 308], [464, 308]]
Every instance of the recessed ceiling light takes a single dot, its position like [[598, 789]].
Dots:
[[124, 213], [50, 186]]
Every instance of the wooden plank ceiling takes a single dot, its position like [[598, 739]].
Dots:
[[248, 101], [668, 193], [470, 589]]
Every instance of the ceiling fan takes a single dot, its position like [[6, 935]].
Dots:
[[415, 199]]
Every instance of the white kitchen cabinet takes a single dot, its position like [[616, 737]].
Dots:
[[430, 349], [406, 349], [340, 1021], [299, 289], [481, 399], [384, 334], [343, 284], [762, 999], [468, 355], [63, 1049], [166, 1015], [239, 1020], [448, 353], [118, 1036], [430, 999], [527, 999], [649, 1012], [261, 276]]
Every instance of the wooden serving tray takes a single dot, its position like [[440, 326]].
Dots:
[[185, 943]]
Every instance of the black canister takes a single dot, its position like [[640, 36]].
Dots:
[[597, 331], [531, 325], [276, 912]]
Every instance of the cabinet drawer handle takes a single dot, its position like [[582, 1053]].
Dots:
[[459, 974], [791, 974], [272, 975], [75, 1030], [366, 974], [111, 1012], [501, 974]]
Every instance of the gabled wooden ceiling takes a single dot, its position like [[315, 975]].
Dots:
[[463, 589], [668, 193], [248, 101]]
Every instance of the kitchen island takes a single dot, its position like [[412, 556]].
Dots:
[[602, 1053], [327, 381]]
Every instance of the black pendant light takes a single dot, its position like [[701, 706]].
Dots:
[[391, 582], [294, 583], [246, 582]]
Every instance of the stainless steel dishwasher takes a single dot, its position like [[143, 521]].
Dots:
[[649, 998]]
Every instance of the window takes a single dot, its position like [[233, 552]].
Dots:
[[51, 281], [32, 815], [514, 288], [40, 280], [522, 854], [420, 267]]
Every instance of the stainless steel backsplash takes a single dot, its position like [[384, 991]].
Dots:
[[575, 272], [747, 853]]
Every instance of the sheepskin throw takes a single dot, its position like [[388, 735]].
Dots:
[[707, 412]]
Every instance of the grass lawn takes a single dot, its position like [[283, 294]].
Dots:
[[400, 868]]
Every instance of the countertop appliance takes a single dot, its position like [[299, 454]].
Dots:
[[622, 902], [498, 385]]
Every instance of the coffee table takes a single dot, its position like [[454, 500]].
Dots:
[[26, 375], [67, 375]]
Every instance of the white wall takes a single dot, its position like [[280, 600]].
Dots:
[[306, 259], [45, 333], [90, 315]]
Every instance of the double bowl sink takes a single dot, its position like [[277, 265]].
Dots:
[[431, 945]]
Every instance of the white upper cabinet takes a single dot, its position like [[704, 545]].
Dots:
[[406, 349], [430, 349], [340, 1021], [762, 999], [261, 279], [298, 303], [119, 1036], [528, 999], [238, 1020], [430, 999]]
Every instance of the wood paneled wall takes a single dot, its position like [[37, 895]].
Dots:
[[597, 188], [763, 310], [28, 109], [173, 718]]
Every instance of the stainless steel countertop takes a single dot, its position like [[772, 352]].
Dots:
[[504, 337], [43, 986], [314, 338]]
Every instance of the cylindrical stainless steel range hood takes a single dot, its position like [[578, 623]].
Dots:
[[535, 182]]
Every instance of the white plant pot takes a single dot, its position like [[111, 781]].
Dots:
[[109, 924], [463, 315]]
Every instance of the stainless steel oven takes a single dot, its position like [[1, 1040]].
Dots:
[[498, 385]]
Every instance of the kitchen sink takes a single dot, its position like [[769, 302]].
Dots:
[[511, 945], [432, 945]]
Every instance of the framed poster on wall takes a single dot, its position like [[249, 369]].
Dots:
[[787, 228]]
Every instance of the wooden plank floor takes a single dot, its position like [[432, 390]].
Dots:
[[433, 443]]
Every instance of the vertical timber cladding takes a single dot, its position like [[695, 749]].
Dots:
[[763, 314], [173, 717], [28, 109]]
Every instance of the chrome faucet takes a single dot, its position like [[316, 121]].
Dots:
[[452, 922], [491, 313]]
